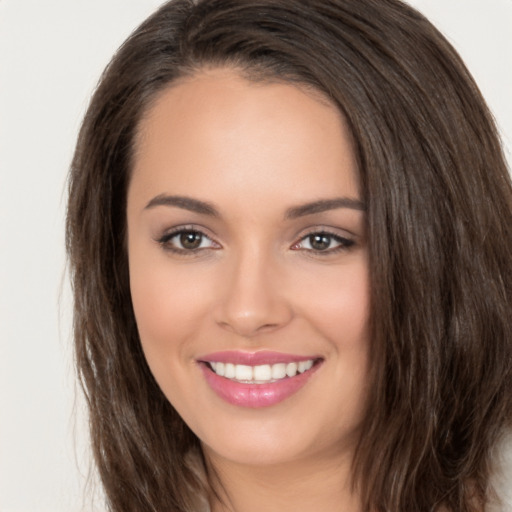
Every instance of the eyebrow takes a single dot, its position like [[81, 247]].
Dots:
[[324, 205], [186, 203], [205, 208]]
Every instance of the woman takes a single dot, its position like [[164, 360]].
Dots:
[[289, 230]]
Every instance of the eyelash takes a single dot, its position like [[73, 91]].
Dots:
[[344, 244]]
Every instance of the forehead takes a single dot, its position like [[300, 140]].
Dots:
[[217, 129]]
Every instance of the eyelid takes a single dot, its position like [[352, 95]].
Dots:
[[335, 229]]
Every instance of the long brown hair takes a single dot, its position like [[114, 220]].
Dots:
[[439, 223]]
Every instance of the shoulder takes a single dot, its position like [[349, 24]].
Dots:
[[501, 481]]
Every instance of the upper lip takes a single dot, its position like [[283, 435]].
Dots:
[[253, 358]]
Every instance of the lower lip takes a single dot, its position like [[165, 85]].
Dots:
[[256, 395]]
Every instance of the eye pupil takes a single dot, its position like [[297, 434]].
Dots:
[[320, 242], [190, 240]]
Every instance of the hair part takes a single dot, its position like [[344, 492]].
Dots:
[[439, 226]]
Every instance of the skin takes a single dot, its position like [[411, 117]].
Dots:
[[253, 151]]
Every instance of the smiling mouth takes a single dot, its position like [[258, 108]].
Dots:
[[258, 379], [261, 374]]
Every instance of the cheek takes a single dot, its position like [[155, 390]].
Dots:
[[168, 309], [347, 327], [161, 302], [339, 309], [169, 304], [338, 304]]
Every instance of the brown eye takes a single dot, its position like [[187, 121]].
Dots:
[[191, 240], [320, 241]]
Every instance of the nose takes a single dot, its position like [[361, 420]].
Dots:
[[253, 298]]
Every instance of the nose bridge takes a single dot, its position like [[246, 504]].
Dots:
[[252, 301]]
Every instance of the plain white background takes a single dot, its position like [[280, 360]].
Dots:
[[51, 55]]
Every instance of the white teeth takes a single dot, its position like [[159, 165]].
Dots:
[[304, 366], [279, 371], [229, 370], [243, 372], [261, 373], [291, 369]]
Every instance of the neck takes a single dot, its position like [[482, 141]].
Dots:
[[305, 485]]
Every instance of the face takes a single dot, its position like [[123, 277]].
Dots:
[[248, 267]]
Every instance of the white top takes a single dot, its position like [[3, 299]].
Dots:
[[502, 477]]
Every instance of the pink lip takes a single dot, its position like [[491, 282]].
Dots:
[[253, 358], [255, 395]]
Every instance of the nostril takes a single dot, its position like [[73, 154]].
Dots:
[[248, 327]]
